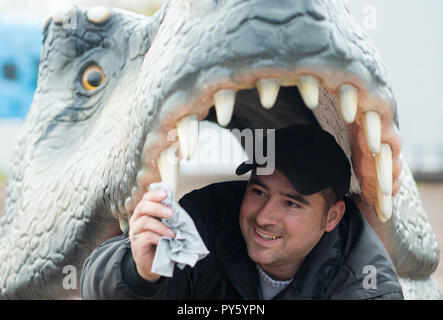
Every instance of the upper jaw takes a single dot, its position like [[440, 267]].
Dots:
[[309, 45], [224, 48]]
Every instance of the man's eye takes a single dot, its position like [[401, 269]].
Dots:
[[292, 204], [258, 192]]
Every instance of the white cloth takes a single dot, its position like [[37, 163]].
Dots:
[[186, 248]]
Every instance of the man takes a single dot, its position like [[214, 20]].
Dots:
[[292, 234]]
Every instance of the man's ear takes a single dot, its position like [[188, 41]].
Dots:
[[335, 214]]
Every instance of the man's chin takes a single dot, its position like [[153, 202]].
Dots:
[[259, 258], [259, 254]]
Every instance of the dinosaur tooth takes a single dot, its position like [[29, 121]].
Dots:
[[383, 206], [169, 166], [224, 101], [383, 166], [124, 224], [372, 126], [129, 205], [348, 102], [114, 209], [136, 194], [309, 87], [268, 91], [187, 129], [142, 177], [98, 14]]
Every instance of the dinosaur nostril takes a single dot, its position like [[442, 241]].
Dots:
[[65, 16], [98, 15]]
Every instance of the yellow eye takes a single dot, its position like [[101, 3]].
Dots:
[[92, 78]]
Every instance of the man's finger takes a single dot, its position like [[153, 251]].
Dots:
[[154, 195], [150, 224], [153, 209], [144, 240]]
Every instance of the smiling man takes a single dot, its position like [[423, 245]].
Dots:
[[280, 226], [292, 234]]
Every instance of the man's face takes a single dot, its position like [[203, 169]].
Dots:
[[280, 226]]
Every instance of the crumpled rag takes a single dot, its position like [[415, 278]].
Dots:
[[186, 248]]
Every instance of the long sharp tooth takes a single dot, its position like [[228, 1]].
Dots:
[[348, 102], [187, 129], [224, 101], [124, 224], [372, 125], [383, 166], [308, 87], [129, 205], [168, 165], [136, 194], [383, 206], [268, 91]]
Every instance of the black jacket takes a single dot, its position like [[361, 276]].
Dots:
[[334, 269]]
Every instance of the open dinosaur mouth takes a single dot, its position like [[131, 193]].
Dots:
[[253, 99]]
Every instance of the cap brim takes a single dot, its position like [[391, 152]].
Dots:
[[244, 167], [303, 182]]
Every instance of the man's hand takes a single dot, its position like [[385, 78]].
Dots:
[[146, 229]]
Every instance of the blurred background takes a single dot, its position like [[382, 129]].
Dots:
[[408, 34]]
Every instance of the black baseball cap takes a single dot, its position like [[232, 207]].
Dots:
[[309, 157]]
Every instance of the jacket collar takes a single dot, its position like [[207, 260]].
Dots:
[[233, 257], [317, 270]]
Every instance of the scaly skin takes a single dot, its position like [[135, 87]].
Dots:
[[55, 220], [84, 158]]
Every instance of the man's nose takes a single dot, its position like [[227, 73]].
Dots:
[[267, 214]]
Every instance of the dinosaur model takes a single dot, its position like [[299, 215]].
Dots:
[[112, 88]]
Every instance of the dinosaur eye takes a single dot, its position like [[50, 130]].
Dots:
[[92, 78]]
